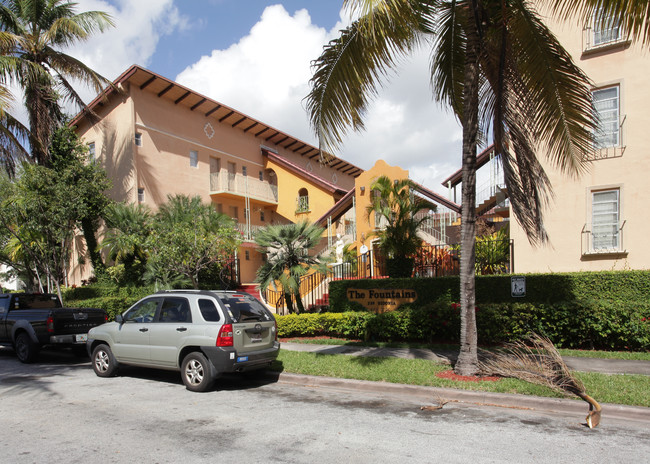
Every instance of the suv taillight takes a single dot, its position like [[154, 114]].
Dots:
[[225, 337], [50, 324]]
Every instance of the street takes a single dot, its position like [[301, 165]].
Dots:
[[58, 411]]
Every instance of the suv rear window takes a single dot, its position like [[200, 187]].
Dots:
[[244, 309]]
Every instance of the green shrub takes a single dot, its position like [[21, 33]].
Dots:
[[567, 324]]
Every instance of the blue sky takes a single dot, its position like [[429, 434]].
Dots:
[[254, 55]]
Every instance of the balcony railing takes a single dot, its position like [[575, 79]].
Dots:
[[248, 231], [598, 241], [615, 149], [244, 186], [594, 39]]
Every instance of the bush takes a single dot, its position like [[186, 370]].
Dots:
[[567, 324], [111, 298]]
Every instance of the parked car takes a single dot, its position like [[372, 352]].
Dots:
[[29, 321], [202, 334]]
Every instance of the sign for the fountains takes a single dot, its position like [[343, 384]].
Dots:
[[380, 300]]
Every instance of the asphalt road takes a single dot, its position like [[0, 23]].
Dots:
[[58, 411]]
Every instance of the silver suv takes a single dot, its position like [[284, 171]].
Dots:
[[201, 333]]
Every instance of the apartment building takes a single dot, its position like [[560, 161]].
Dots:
[[155, 137], [599, 221]]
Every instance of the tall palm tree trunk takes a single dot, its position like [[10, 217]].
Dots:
[[467, 363]]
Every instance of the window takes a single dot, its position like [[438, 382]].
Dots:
[[138, 139], [219, 208], [606, 29], [175, 310], [606, 107], [194, 158], [605, 208], [140, 195], [209, 310], [302, 202], [91, 152], [143, 312], [243, 171], [234, 212], [262, 216], [248, 255], [261, 175]]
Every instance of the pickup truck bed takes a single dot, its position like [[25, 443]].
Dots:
[[31, 321]]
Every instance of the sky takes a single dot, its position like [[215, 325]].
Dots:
[[255, 55]]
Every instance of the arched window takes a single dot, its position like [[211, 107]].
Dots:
[[302, 203]]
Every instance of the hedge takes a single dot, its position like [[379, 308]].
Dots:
[[567, 324], [113, 299], [619, 287]]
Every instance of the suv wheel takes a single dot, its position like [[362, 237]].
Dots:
[[197, 372], [26, 349], [104, 363]]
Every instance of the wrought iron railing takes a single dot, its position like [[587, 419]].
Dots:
[[302, 204], [596, 242], [492, 257]]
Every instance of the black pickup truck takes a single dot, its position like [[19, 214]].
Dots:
[[30, 321]]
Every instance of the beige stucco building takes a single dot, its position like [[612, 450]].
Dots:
[[599, 221], [157, 138]]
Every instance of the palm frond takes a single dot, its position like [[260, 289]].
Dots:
[[351, 67]]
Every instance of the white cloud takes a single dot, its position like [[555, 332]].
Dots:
[[138, 27], [266, 75]]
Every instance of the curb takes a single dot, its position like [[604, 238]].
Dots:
[[502, 400]]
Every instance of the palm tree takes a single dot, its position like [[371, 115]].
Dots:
[[287, 258], [500, 69], [32, 34], [128, 226], [396, 204]]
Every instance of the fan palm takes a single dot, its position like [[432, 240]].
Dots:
[[32, 34], [500, 69], [287, 258]]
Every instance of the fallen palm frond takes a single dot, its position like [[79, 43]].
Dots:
[[536, 360], [440, 402]]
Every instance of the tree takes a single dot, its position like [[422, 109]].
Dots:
[[128, 226], [286, 247], [502, 72], [189, 236], [396, 204], [32, 34], [44, 207]]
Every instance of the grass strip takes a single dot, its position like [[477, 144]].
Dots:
[[628, 355], [620, 389]]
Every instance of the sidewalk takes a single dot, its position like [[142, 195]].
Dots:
[[603, 366], [505, 400]]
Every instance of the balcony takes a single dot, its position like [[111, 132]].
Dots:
[[248, 231], [238, 186], [603, 241]]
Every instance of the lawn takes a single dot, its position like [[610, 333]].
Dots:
[[620, 389]]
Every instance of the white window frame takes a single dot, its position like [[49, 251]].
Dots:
[[605, 30], [608, 132], [605, 222], [194, 159]]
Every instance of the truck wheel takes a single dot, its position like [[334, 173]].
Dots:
[[26, 349], [104, 363], [196, 372]]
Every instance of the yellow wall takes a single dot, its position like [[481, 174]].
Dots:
[[365, 225]]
